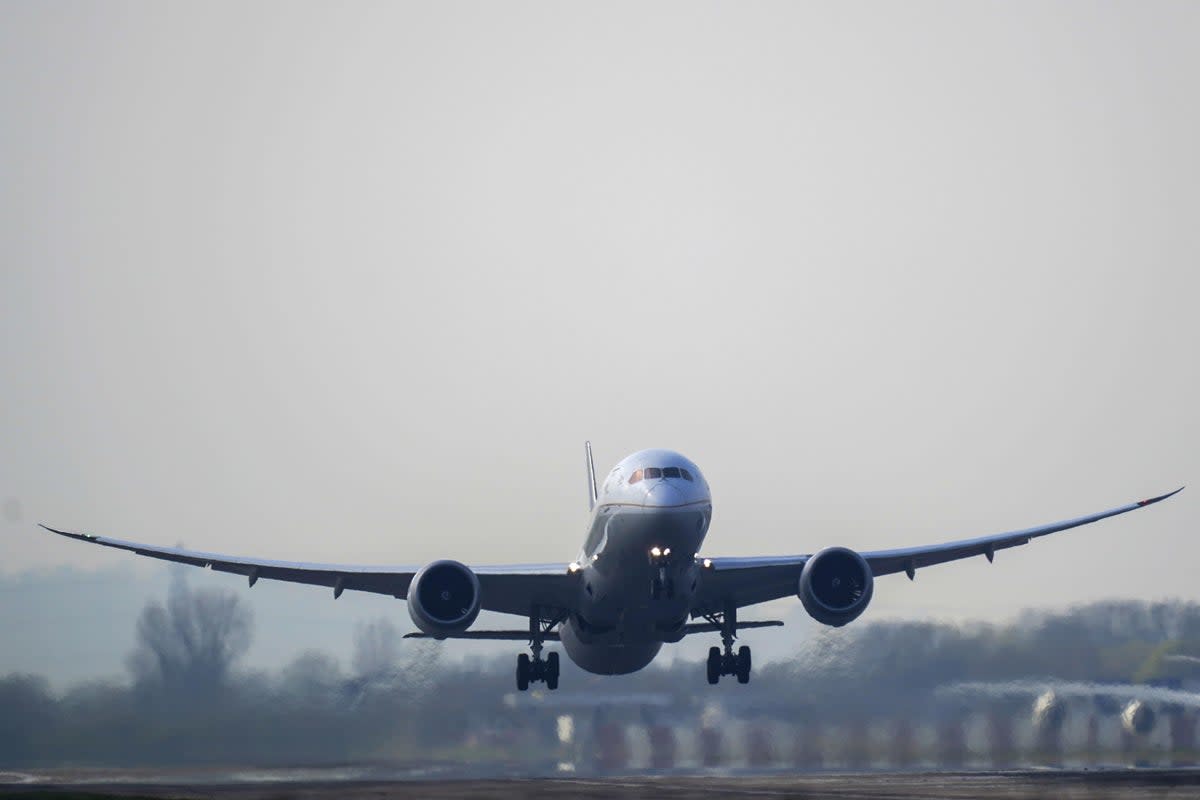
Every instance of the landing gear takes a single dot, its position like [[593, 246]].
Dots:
[[524, 673], [726, 663], [533, 668], [661, 585]]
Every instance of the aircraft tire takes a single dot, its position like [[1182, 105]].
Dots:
[[714, 665], [522, 672], [552, 671], [743, 664]]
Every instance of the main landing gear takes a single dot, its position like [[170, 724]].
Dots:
[[531, 669], [727, 663]]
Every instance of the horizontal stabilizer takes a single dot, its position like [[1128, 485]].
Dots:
[[552, 636], [510, 636], [708, 627]]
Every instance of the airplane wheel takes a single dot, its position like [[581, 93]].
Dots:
[[552, 671], [743, 664], [714, 664], [522, 672]]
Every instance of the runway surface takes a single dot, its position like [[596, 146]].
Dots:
[[1116, 783]]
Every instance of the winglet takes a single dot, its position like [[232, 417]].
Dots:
[[1154, 500], [83, 537], [591, 476]]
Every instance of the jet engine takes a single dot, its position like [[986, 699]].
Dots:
[[1137, 718], [836, 585], [1049, 713], [444, 597]]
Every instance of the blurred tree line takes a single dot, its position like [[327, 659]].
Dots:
[[188, 703]]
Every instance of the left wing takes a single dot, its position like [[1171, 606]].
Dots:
[[511, 589], [746, 581]]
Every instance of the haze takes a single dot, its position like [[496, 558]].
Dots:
[[354, 284]]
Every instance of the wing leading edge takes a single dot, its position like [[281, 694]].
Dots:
[[512, 589], [746, 581]]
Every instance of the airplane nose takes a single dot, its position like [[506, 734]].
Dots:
[[666, 492]]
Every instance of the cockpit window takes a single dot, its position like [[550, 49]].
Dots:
[[651, 473]]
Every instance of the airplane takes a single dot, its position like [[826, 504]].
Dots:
[[638, 582], [1133, 704]]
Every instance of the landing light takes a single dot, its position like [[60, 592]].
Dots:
[[573, 567], [708, 563], [667, 551], [656, 551]]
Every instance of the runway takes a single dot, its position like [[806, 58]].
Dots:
[[1116, 783]]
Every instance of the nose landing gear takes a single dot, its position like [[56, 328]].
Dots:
[[661, 585], [726, 663]]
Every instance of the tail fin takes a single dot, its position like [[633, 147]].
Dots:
[[591, 476]]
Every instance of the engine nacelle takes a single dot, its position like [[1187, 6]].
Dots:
[[836, 585], [444, 597], [1049, 713], [1138, 718]]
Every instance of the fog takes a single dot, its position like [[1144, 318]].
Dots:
[[187, 698]]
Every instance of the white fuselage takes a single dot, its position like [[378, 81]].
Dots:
[[638, 564]]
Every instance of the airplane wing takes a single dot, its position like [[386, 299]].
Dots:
[[1032, 688], [512, 589], [746, 581]]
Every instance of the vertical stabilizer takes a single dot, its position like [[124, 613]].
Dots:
[[591, 476]]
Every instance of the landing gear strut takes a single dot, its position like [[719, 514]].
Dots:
[[726, 663], [535, 668]]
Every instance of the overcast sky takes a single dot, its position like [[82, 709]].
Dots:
[[353, 283]]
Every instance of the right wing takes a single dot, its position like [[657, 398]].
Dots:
[[513, 589]]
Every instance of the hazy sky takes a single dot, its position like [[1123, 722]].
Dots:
[[353, 283]]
